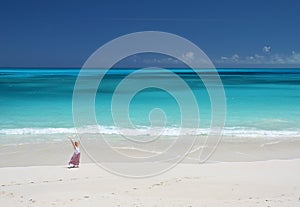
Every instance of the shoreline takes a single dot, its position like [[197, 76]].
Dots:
[[58, 153]]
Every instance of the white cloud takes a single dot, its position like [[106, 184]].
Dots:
[[235, 57], [258, 56], [295, 57], [250, 58], [266, 49], [189, 56], [280, 59], [164, 60]]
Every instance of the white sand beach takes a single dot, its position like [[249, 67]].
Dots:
[[244, 183]]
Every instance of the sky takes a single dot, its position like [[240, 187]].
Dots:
[[64, 33]]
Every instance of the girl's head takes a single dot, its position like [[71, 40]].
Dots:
[[76, 144]]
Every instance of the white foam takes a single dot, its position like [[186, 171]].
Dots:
[[33, 131], [147, 131]]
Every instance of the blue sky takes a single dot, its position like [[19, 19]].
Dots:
[[232, 33]]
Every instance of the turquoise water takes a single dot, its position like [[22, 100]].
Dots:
[[260, 102]]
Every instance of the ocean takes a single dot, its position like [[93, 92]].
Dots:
[[36, 104]]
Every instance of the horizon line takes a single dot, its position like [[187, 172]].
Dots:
[[143, 67]]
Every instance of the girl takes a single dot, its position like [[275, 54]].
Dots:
[[74, 162]]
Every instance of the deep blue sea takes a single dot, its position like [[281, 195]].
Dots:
[[261, 103]]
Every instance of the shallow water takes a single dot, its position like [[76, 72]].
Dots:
[[37, 104]]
